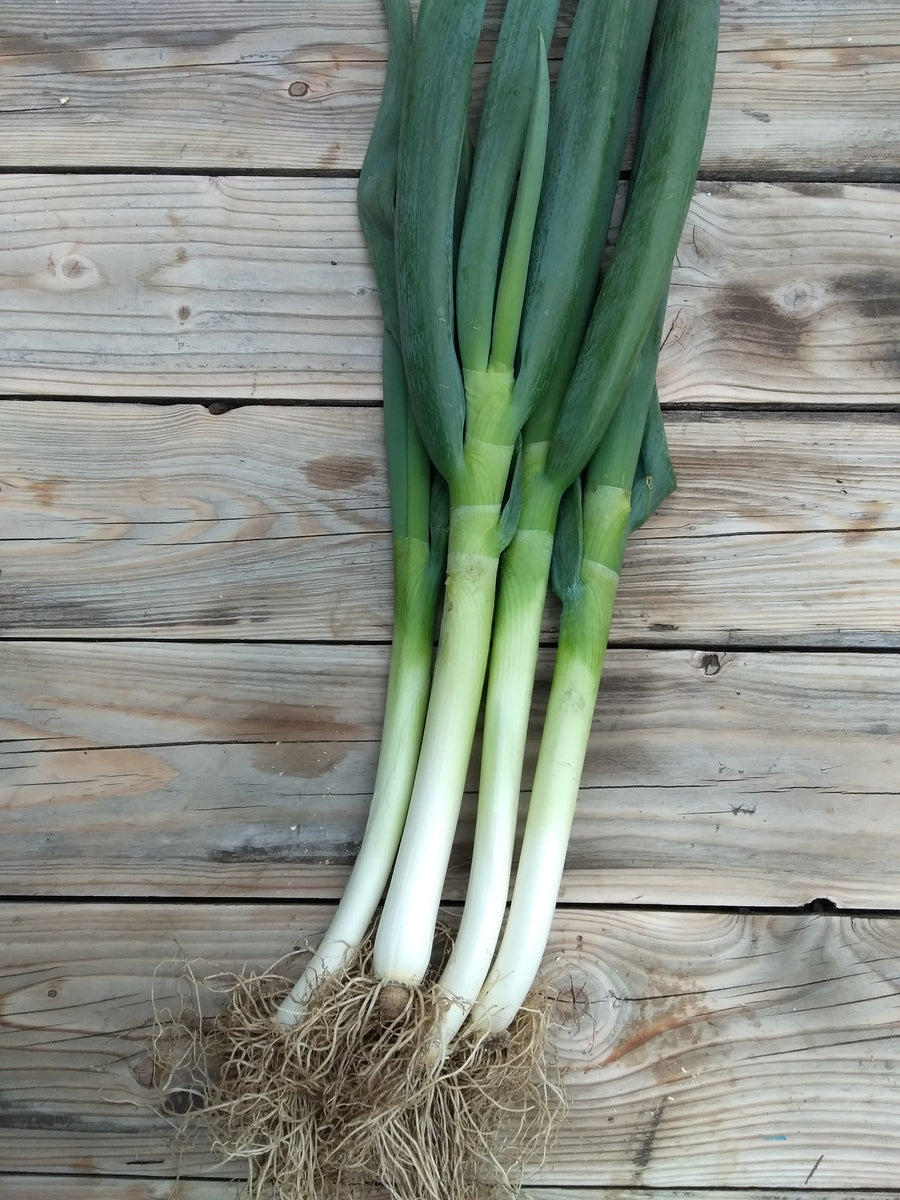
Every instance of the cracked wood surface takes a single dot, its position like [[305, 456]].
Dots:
[[248, 288], [699, 1049]]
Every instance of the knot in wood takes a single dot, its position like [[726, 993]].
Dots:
[[181, 1101], [708, 663]]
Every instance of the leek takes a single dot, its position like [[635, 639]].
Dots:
[[467, 419], [588, 125], [518, 390], [618, 351], [418, 518], [595, 519]]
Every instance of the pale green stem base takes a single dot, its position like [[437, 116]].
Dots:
[[405, 937], [409, 678], [523, 587], [584, 628], [403, 943]]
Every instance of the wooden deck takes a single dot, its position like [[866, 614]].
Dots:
[[195, 599]]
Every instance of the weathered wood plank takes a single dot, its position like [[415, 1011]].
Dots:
[[805, 90], [239, 770], [272, 523], [702, 1050], [260, 289], [237, 287], [710, 1055], [98, 1187], [780, 295]]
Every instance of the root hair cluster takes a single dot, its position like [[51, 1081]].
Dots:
[[352, 1094]]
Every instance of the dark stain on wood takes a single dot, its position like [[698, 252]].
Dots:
[[331, 156], [66, 60], [875, 298], [829, 191], [218, 614], [45, 491], [295, 724], [644, 1148], [340, 471], [28, 610], [891, 358], [873, 515], [301, 760], [875, 295], [181, 38], [181, 1101], [873, 518], [24, 1115], [750, 316], [303, 852], [81, 1164]]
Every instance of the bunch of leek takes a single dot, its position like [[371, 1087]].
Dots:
[[518, 383]]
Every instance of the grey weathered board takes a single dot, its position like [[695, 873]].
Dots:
[[805, 89], [195, 598], [273, 523], [258, 288], [244, 770], [74, 1187]]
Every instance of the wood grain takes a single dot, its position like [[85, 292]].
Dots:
[[237, 770], [801, 91], [195, 608], [259, 289], [272, 523], [701, 1049], [783, 310], [73, 1187], [234, 287]]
